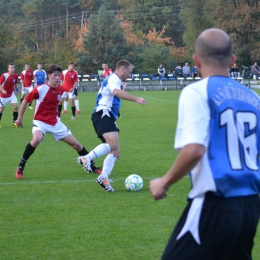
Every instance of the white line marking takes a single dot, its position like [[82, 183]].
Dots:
[[22, 182], [163, 99]]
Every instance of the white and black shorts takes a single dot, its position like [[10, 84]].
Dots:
[[5, 101], [104, 122], [225, 229]]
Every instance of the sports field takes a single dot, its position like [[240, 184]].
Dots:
[[58, 211]]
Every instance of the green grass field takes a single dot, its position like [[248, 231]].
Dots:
[[58, 211]]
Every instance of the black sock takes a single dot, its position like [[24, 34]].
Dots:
[[73, 111], [30, 104], [21, 100], [59, 109], [15, 115], [29, 150], [0, 116], [83, 152]]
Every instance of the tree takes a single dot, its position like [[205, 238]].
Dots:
[[196, 16], [105, 40], [242, 24]]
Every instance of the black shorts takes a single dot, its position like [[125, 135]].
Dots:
[[226, 228], [104, 124]]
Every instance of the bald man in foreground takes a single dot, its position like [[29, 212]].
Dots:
[[218, 136]]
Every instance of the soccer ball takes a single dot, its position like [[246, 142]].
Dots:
[[134, 182]]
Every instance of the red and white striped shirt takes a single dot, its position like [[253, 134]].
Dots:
[[8, 83], [47, 99]]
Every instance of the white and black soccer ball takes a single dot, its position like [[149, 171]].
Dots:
[[134, 182]]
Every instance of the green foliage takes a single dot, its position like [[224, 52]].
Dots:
[[104, 41], [153, 55], [195, 16]]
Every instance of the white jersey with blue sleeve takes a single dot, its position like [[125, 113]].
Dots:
[[222, 115], [106, 100]]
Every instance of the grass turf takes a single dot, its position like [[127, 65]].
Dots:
[[58, 211]]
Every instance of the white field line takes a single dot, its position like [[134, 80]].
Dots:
[[22, 182], [174, 101]]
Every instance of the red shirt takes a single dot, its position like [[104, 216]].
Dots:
[[107, 73], [8, 82], [27, 77], [68, 79], [47, 100]]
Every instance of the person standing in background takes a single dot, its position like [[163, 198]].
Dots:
[[26, 81]]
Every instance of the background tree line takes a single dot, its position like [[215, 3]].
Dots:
[[146, 32]]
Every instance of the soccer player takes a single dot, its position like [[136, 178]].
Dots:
[[69, 80], [104, 121], [218, 135], [107, 71], [8, 88], [26, 81], [46, 120], [40, 76]]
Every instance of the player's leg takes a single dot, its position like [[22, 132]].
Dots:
[[29, 150], [76, 101], [29, 90], [63, 97], [2, 108], [65, 106], [72, 103], [14, 103]]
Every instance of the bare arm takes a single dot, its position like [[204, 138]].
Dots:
[[126, 96], [187, 159]]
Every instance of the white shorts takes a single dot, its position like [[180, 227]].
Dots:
[[5, 101], [58, 131], [26, 90], [68, 94]]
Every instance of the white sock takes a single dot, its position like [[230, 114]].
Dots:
[[99, 151], [65, 103], [77, 104], [108, 165]]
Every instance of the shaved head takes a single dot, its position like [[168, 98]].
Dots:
[[214, 47]]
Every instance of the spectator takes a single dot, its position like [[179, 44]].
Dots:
[[161, 71], [234, 71], [255, 70], [178, 71], [186, 70], [195, 72]]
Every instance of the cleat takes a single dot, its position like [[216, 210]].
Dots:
[[0, 126], [64, 112], [86, 164], [14, 124], [77, 111], [30, 107], [96, 170], [19, 173], [73, 117], [104, 183]]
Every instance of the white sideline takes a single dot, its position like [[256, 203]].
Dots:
[[22, 182]]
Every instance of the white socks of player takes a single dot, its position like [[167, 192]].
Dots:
[[65, 104], [77, 104], [99, 151], [108, 165]]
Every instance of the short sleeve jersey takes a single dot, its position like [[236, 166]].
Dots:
[[27, 78], [8, 83], [40, 76], [46, 103], [106, 99], [223, 116], [69, 78], [107, 73]]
